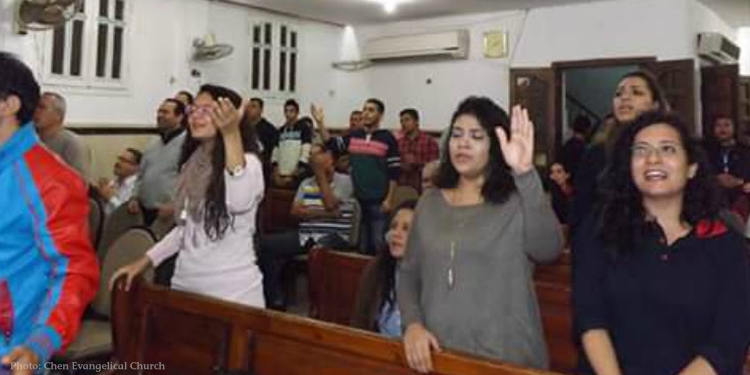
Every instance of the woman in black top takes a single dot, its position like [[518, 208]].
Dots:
[[661, 285], [636, 92]]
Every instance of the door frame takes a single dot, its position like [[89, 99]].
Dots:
[[557, 71]]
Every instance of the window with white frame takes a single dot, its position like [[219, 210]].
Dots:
[[274, 58], [90, 50]]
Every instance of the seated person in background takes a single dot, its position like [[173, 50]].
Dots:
[[731, 164], [561, 191], [416, 149], [49, 269], [185, 97], [49, 118], [118, 191], [323, 205], [661, 285], [429, 172], [376, 308], [291, 156]]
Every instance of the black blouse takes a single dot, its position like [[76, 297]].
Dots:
[[664, 305]]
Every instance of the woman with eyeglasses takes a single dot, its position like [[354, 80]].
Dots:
[[218, 191], [661, 285], [465, 282]]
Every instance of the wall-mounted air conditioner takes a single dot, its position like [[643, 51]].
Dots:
[[448, 44], [717, 48]]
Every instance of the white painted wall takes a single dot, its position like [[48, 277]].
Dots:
[[436, 87], [538, 37], [608, 29], [161, 34], [743, 40], [704, 19]]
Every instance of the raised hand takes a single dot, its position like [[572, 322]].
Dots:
[[226, 117], [317, 114], [518, 151]]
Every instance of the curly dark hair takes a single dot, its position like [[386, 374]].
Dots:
[[216, 219], [499, 184], [622, 218], [389, 270]]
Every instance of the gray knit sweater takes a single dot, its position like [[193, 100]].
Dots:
[[491, 309]]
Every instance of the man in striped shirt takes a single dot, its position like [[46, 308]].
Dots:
[[324, 206], [375, 169]]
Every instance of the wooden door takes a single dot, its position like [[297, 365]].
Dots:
[[677, 78], [719, 94], [743, 104], [534, 89]]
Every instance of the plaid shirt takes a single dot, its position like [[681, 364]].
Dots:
[[424, 149]]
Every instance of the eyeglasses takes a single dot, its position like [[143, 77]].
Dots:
[[126, 160], [662, 151], [194, 110]]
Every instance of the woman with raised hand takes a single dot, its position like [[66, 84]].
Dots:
[[218, 192], [465, 282], [661, 285]]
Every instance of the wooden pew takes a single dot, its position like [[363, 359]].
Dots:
[[334, 281], [557, 321], [190, 334], [558, 272]]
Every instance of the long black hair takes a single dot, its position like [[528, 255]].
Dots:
[[388, 275], [216, 218], [499, 182], [621, 213], [606, 134]]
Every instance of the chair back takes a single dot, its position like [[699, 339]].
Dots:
[[117, 223], [130, 246], [96, 221]]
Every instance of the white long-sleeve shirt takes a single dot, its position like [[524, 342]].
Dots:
[[123, 192], [225, 268]]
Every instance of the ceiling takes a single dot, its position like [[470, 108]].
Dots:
[[735, 12]]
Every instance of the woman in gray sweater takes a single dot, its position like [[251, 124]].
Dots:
[[466, 281]]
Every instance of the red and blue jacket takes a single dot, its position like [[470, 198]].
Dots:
[[48, 268]]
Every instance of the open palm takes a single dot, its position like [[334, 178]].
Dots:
[[518, 151]]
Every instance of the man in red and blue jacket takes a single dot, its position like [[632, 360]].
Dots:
[[48, 269]]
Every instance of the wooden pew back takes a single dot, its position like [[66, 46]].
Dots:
[[334, 282], [190, 334]]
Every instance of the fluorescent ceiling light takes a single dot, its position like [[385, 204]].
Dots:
[[389, 6]]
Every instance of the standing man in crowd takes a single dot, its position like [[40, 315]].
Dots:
[[49, 118], [416, 148], [159, 165], [266, 132], [375, 168], [49, 268], [292, 155]]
